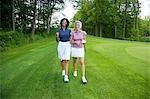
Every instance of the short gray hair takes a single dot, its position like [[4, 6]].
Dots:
[[79, 23]]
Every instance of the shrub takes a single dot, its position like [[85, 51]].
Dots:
[[11, 39], [134, 35], [145, 39]]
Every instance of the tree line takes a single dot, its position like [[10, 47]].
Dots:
[[28, 15], [113, 18], [24, 21]]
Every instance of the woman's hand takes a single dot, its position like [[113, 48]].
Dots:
[[83, 41], [78, 42]]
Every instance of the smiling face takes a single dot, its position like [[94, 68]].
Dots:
[[77, 26], [64, 23]]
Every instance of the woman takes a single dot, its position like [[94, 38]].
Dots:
[[78, 38], [64, 47]]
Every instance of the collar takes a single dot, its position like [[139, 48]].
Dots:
[[62, 28], [78, 31]]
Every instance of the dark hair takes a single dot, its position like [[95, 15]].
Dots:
[[63, 20]]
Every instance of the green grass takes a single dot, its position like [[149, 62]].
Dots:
[[115, 70]]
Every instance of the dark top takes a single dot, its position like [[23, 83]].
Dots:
[[64, 35]]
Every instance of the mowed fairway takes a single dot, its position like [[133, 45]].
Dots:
[[115, 70]]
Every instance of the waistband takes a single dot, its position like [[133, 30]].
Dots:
[[64, 41]]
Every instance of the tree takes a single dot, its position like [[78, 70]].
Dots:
[[109, 18], [13, 14], [52, 7], [29, 15], [6, 15], [34, 18]]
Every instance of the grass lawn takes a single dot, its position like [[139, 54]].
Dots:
[[115, 70]]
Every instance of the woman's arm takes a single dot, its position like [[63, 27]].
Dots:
[[84, 37], [57, 37], [71, 39]]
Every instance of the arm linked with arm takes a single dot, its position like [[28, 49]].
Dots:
[[72, 40]]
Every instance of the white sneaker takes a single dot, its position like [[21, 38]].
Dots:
[[75, 74], [84, 81], [63, 72], [66, 79]]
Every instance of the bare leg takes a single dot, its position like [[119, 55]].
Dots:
[[82, 66], [63, 67], [84, 81], [63, 64], [75, 62], [66, 66], [66, 79]]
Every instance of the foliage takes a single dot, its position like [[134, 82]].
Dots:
[[13, 39], [112, 18], [24, 21], [134, 35], [29, 13]]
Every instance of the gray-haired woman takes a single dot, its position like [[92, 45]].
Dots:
[[78, 38]]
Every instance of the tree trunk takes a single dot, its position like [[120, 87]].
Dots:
[[13, 14], [124, 23], [34, 18], [96, 29], [134, 17], [38, 15], [48, 24], [101, 30], [137, 27], [115, 31], [49, 16]]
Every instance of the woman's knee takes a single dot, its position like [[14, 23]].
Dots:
[[82, 63], [75, 59], [66, 61]]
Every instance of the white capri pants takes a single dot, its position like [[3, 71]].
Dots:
[[64, 50]]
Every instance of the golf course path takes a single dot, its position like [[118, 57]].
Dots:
[[115, 69]]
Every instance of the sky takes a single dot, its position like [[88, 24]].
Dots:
[[69, 11], [145, 8]]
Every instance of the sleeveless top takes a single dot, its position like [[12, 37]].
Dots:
[[64, 35]]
